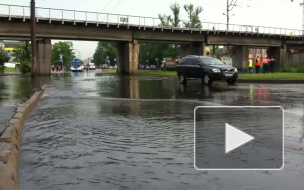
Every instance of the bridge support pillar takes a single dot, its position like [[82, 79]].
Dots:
[[240, 57], [44, 57], [128, 53], [281, 55], [195, 48]]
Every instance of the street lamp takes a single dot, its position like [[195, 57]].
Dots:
[[157, 65], [107, 60], [60, 58]]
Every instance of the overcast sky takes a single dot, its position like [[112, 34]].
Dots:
[[276, 13]]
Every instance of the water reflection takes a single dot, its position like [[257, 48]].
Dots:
[[104, 131], [15, 90]]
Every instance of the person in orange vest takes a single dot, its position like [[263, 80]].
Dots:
[[272, 64], [268, 65], [257, 65], [219, 58], [265, 65]]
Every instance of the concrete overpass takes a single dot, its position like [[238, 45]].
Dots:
[[128, 31]]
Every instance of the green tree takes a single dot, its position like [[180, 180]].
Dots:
[[3, 58], [164, 20], [103, 50], [152, 51], [175, 8], [66, 49], [21, 55], [193, 14]]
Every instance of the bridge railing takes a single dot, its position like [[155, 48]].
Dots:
[[63, 15]]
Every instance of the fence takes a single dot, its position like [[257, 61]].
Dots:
[[12, 11]]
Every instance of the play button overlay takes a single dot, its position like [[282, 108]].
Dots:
[[238, 138], [235, 138]]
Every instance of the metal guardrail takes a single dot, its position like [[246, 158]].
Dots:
[[63, 15]]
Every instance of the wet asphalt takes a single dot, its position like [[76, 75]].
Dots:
[[95, 131]]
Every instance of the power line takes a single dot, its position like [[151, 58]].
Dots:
[[105, 6], [115, 6]]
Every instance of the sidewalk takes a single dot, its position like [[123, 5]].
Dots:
[[10, 73], [273, 81]]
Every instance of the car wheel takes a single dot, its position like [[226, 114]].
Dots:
[[182, 79], [206, 80], [231, 81]]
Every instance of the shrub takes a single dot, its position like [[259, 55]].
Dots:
[[25, 66], [287, 69], [300, 69], [3, 58]]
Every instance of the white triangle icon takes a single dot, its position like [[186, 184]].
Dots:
[[235, 138]]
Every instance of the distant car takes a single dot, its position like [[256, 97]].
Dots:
[[105, 66], [92, 66], [153, 67], [207, 69], [168, 65], [111, 67]]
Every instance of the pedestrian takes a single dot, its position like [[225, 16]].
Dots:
[[265, 64], [257, 65], [56, 68], [59, 67], [268, 65], [87, 67], [52, 68], [249, 65], [272, 64]]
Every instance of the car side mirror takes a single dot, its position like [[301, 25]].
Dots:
[[198, 64]]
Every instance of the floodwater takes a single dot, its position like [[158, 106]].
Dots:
[[15, 90], [94, 131]]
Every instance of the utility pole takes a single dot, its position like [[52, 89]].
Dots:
[[227, 12], [302, 4], [33, 37], [230, 7]]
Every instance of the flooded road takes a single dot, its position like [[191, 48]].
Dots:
[[94, 131], [15, 90]]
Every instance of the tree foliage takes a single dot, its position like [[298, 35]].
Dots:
[[153, 51], [103, 50], [21, 55], [3, 58], [174, 20], [193, 15], [175, 8], [168, 20], [66, 49], [165, 20]]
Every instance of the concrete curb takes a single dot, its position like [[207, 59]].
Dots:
[[10, 142], [273, 81]]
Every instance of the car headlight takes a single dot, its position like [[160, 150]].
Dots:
[[216, 70], [235, 70]]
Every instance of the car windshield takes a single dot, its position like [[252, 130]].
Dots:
[[211, 61]]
